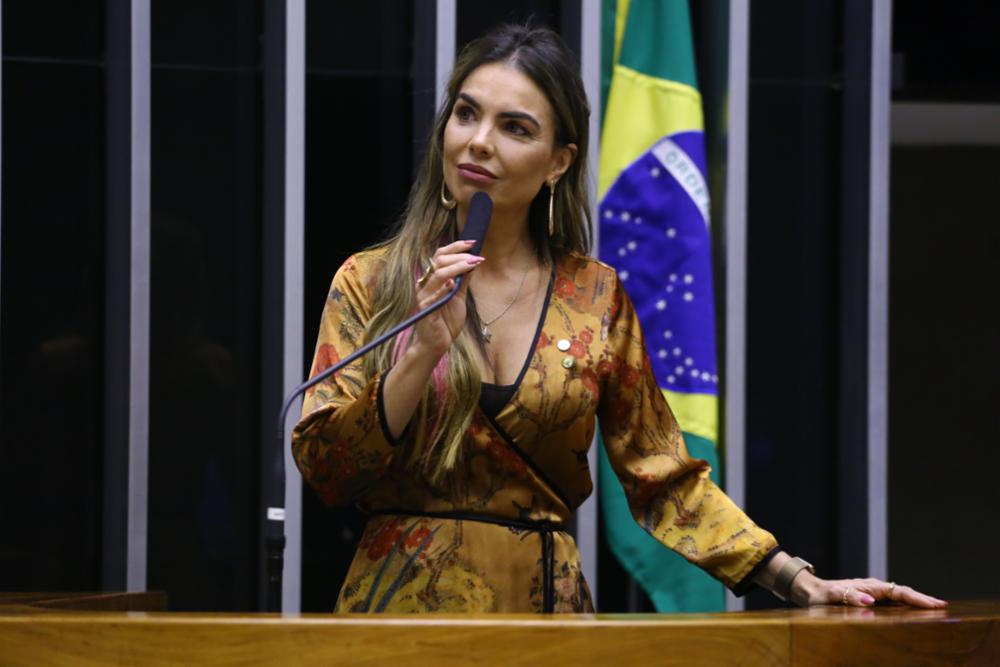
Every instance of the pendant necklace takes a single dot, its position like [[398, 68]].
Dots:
[[486, 325]]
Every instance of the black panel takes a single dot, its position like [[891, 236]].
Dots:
[[52, 335], [944, 365], [205, 311], [797, 42], [367, 39], [946, 55], [791, 319], [476, 18], [793, 212], [204, 34], [54, 30]]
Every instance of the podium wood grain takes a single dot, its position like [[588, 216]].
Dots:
[[967, 633]]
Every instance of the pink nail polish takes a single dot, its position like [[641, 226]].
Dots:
[[476, 260], [867, 599]]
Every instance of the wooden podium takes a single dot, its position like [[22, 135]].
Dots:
[[127, 629]]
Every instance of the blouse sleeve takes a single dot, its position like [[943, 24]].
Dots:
[[342, 443], [670, 494]]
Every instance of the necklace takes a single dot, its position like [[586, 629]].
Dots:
[[486, 325]]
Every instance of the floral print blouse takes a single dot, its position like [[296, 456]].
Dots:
[[489, 536]]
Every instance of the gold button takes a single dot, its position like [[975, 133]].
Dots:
[[568, 362], [563, 345]]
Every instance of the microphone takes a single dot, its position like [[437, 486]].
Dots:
[[477, 223]]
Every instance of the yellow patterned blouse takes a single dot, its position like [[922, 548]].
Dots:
[[488, 537]]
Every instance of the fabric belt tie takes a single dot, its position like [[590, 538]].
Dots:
[[545, 529]]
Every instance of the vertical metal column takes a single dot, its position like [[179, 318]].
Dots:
[[590, 68], [138, 469], [283, 247], [444, 39], [126, 413], [271, 512], [734, 398], [878, 290], [295, 163]]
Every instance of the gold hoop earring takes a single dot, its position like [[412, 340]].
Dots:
[[552, 196], [447, 203]]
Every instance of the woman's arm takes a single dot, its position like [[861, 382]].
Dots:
[[351, 423], [670, 493], [432, 336]]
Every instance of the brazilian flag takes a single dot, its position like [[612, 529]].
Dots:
[[654, 229]]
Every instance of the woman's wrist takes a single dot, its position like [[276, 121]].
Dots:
[[419, 359], [765, 578], [404, 385], [802, 585], [420, 354]]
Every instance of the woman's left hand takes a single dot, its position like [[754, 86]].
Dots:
[[809, 590]]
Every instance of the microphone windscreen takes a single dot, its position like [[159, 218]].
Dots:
[[478, 221]]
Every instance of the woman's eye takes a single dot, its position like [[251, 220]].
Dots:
[[463, 113], [517, 129]]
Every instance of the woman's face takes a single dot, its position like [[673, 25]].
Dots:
[[500, 138]]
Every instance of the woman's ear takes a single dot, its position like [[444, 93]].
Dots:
[[562, 159]]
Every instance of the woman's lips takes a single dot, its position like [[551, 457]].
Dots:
[[476, 173]]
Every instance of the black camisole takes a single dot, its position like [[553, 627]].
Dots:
[[492, 398]]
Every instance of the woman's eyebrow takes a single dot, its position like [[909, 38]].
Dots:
[[517, 115], [521, 115]]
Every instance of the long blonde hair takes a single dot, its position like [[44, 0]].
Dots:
[[425, 225]]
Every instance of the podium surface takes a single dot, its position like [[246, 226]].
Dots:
[[34, 634]]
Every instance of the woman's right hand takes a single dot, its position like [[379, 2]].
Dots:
[[435, 333]]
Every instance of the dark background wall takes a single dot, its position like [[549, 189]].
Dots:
[[793, 209], [944, 363], [205, 305], [52, 323], [943, 369]]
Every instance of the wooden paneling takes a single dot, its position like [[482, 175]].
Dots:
[[144, 601], [966, 633]]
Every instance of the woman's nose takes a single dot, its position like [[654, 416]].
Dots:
[[482, 140]]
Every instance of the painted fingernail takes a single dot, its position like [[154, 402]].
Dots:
[[867, 599], [476, 260], [468, 241]]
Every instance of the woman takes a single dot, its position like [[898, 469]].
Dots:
[[466, 438]]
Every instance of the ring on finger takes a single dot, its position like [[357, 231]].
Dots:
[[892, 589], [427, 274], [843, 600]]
